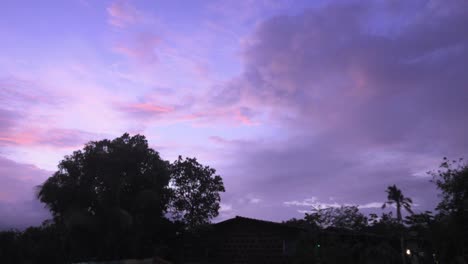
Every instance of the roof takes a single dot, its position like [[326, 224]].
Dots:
[[253, 221]]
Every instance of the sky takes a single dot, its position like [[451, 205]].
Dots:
[[295, 103]]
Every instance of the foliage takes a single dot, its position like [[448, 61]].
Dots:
[[108, 174], [195, 190], [450, 229], [111, 198], [395, 196], [452, 180], [345, 217], [302, 223], [111, 193], [385, 225], [42, 244]]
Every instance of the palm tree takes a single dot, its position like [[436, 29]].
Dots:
[[395, 196]]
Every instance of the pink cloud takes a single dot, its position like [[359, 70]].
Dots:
[[122, 14], [197, 112], [218, 139], [19, 139], [141, 48], [146, 109], [55, 137], [243, 115]]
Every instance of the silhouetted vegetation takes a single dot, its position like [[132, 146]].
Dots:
[[117, 199], [350, 237]]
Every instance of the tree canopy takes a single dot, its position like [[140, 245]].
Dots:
[[117, 194], [123, 173], [395, 196], [195, 190], [450, 228], [452, 180], [118, 199], [345, 217]]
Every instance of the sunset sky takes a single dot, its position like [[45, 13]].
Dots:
[[295, 103]]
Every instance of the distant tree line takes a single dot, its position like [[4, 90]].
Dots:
[[116, 199], [443, 235]]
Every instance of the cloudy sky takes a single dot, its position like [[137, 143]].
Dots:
[[296, 104]]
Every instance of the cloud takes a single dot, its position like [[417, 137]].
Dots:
[[53, 137], [371, 205], [225, 212], [140, 48], [7, 122], [244, 115], [185, 110], [338, 100], [122, 14], [315, 203], [17, 93], [28, 115], [22, 119], [17, 194], [365, 95], [145, 109], [225, 208], [255, 200]]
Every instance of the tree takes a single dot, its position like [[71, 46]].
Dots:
[[395, 196], [345, 217], [452, 180], [195, 192], [111, 198], [102, 192], [384, 225], [451, 228]]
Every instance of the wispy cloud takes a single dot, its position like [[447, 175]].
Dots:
[[315, 203], [141, 48], [122, 13], [54, 137]]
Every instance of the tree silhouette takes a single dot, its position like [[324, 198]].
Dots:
[[452, 237], [196, 189], [112, 198], [395, 196], [102, 192], [344, 217]]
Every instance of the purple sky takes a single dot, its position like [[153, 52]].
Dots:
[[294, 103]]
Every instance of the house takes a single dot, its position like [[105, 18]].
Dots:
[[244, 240]]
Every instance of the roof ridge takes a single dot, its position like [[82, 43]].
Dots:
[[237, 217]]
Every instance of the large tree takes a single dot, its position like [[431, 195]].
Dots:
[[452, 218], [112, 197], [106, 192], [108, 174]]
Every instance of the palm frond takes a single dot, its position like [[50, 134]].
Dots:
[[408, 208]]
